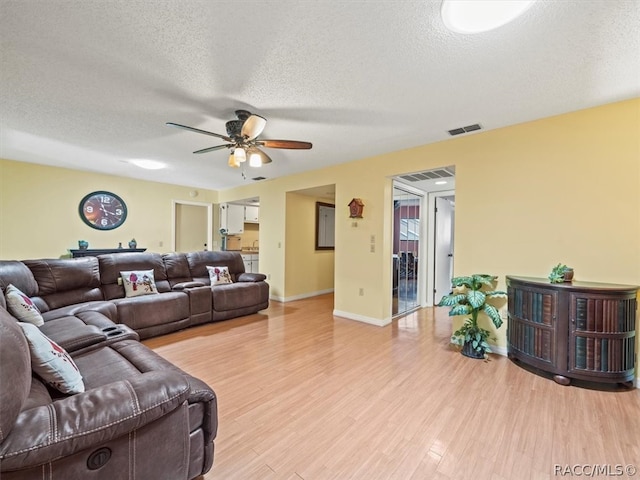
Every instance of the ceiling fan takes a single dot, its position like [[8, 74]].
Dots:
[[242, 137]]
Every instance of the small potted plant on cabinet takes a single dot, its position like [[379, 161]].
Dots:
[[561, 273], [469, 297]]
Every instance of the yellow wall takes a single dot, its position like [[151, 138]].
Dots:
[[307, 271], [39, 211], [561, 189]]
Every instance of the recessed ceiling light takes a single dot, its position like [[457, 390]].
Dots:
[[148, 164], [441, 182], [475, 16]]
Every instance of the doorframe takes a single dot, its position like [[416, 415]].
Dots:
[[422, 249], [174, 204], [431, 241]]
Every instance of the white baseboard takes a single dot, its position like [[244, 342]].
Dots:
[[378, 322], [301, 296], [499, 350]]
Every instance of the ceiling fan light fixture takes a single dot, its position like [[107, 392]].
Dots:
[[241, 155], [233, 160], [255, 160], [476, 16]]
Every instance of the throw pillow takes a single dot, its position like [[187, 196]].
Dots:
[[51, 362], [138, 282], [219, 275], [21, 306]]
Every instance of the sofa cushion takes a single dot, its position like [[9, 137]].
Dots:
[[51, 362], [237, 296], [112, 264], [17, 273], [15, 372], [177, 268], [138, 282], [22, 307], [199, 261], [151, 310], [219, 275], [65, 281]]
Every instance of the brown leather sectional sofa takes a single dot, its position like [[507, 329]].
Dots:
[[139, 416]]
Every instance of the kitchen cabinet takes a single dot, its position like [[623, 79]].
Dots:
[[232, 218], [578, 330], [251, 214], [251, 262]]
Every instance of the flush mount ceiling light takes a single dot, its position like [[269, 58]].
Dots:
[[475, 16], [148, 164]]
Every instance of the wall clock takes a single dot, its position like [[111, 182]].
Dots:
[[103, 210]]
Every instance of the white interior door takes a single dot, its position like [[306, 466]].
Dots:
[[192, 226], [443, 254]]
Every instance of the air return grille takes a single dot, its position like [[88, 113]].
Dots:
[[447, 172], [467, 129]]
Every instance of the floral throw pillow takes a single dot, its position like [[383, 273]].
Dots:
[[219, 275], [51, 362], [138, 282], [21, 306]]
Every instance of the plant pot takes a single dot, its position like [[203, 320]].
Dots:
[[469, 351], [567, 276]]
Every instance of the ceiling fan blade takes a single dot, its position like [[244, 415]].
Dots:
[[253, 126], [211, 149], [263, 156], [291, 144], [197, 130]]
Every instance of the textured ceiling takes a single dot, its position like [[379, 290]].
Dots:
[[90, 84]]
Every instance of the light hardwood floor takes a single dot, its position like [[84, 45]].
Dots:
[[305, 395]]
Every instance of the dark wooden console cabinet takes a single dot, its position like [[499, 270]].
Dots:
[[101, 251], [577, 330]]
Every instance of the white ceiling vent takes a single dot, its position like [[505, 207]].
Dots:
[[467, 129], [447, 172]]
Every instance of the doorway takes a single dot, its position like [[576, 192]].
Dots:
[[192, 226], [443, 213], [406, 249], [436, 232]]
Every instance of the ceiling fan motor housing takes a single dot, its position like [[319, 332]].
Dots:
[[234, 127]]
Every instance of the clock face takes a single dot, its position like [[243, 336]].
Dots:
[[103, 210]]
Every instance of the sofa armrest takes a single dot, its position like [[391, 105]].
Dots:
[[251, 277], [90, 419], [185, 285]]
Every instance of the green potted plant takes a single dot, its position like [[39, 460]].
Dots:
[[469, 296], [561, 273]]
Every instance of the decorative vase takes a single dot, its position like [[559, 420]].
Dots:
[[133, 243], [568, 275], [83, 244], [469, 351]]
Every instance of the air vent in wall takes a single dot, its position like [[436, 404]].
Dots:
[[467, 129], [430, 174]]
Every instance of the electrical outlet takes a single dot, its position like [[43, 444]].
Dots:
[[361, 292], [373, 248], [373, 239], [160, 243], [119, 280]]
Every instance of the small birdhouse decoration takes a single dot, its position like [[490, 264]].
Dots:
[[355, 208]]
